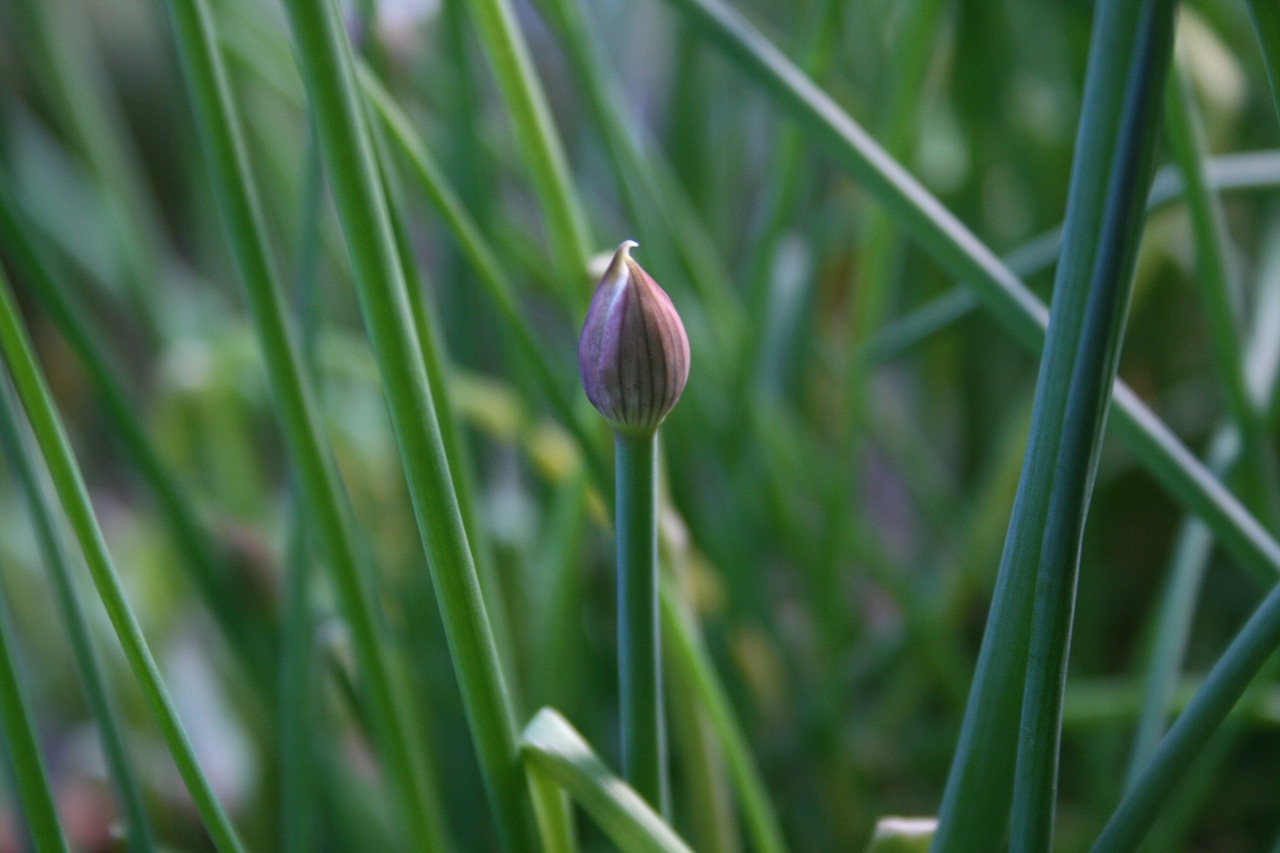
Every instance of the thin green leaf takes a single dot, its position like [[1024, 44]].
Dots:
[[461, 469], [1084, 416], [329, 74], [222, 138], [296, 673], [1251, 171], [976, 801], [552, 746]]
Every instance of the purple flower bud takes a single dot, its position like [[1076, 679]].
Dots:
[[633, 353]]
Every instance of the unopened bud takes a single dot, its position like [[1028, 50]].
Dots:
[[633, 353]]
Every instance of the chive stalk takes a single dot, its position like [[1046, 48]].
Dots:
[[644, 731], [634, 359]]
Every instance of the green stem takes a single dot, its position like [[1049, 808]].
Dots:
[[1084, 416], [644, 749], [339, 114], [222, 136], [296, 669]]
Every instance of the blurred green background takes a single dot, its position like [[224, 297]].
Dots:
[[839, 475]]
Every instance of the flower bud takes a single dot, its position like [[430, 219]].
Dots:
[[633, 353]]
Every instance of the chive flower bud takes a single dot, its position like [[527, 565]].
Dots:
[[633, 353]]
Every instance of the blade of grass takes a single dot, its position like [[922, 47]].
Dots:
[[462, 469], [710, 813], [535, 133], [75, 503], [961, 253], [976, 801], [1084, 417], [297, 670], [19, 453], [222, 139], [553, 747], [1220, 291], [551, 795], [328, 72], [1192, 548]]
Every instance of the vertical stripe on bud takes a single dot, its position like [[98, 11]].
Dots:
[[633, 353]]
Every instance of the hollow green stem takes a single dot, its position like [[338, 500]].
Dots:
[[644, 750], [222, 134], [1084, 417], [329, 74]]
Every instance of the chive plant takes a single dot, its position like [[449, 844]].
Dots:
[[633, 355], [868, 466]]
